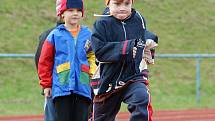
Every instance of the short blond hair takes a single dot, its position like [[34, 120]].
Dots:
[[107, 1]]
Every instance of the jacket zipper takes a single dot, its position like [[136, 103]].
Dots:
[[123, 26], [125, 35]]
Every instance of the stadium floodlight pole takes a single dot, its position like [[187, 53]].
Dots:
[[98, 15]]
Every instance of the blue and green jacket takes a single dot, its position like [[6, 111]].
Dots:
[[66, 62]]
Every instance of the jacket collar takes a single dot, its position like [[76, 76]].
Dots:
[[62, 27]]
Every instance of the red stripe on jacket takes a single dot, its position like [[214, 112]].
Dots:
[[124, 47], [85, 68], [45, 65]]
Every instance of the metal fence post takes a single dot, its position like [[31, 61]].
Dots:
[[198, 80]]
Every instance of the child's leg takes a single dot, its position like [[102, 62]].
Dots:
[[107, 110], [81, 108], [137, 97], [90, 113], [64, 106], [49, 110]]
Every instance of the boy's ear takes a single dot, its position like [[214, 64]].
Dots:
[[62, 16]]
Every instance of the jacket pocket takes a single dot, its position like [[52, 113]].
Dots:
[[84, 74], [63, 71]]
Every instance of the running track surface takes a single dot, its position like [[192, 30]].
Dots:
[[166, 115]]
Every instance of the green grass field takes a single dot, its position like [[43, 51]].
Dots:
[[183, 26]]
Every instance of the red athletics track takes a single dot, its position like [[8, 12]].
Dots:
[[167, 115]]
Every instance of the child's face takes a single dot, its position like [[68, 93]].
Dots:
[[72, 16], [120, 9]]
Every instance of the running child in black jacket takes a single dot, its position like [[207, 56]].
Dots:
[[119, 42]]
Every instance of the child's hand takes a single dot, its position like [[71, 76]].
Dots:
[[134, 51], [47, 92]]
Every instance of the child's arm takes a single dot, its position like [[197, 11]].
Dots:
[[106, 51], [46, 63], [91, 59]]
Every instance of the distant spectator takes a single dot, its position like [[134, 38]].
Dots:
[[49, 110]]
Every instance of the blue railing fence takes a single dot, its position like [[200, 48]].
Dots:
[[198, 58]]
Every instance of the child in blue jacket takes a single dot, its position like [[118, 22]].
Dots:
[[66, 63], [121, 44]]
